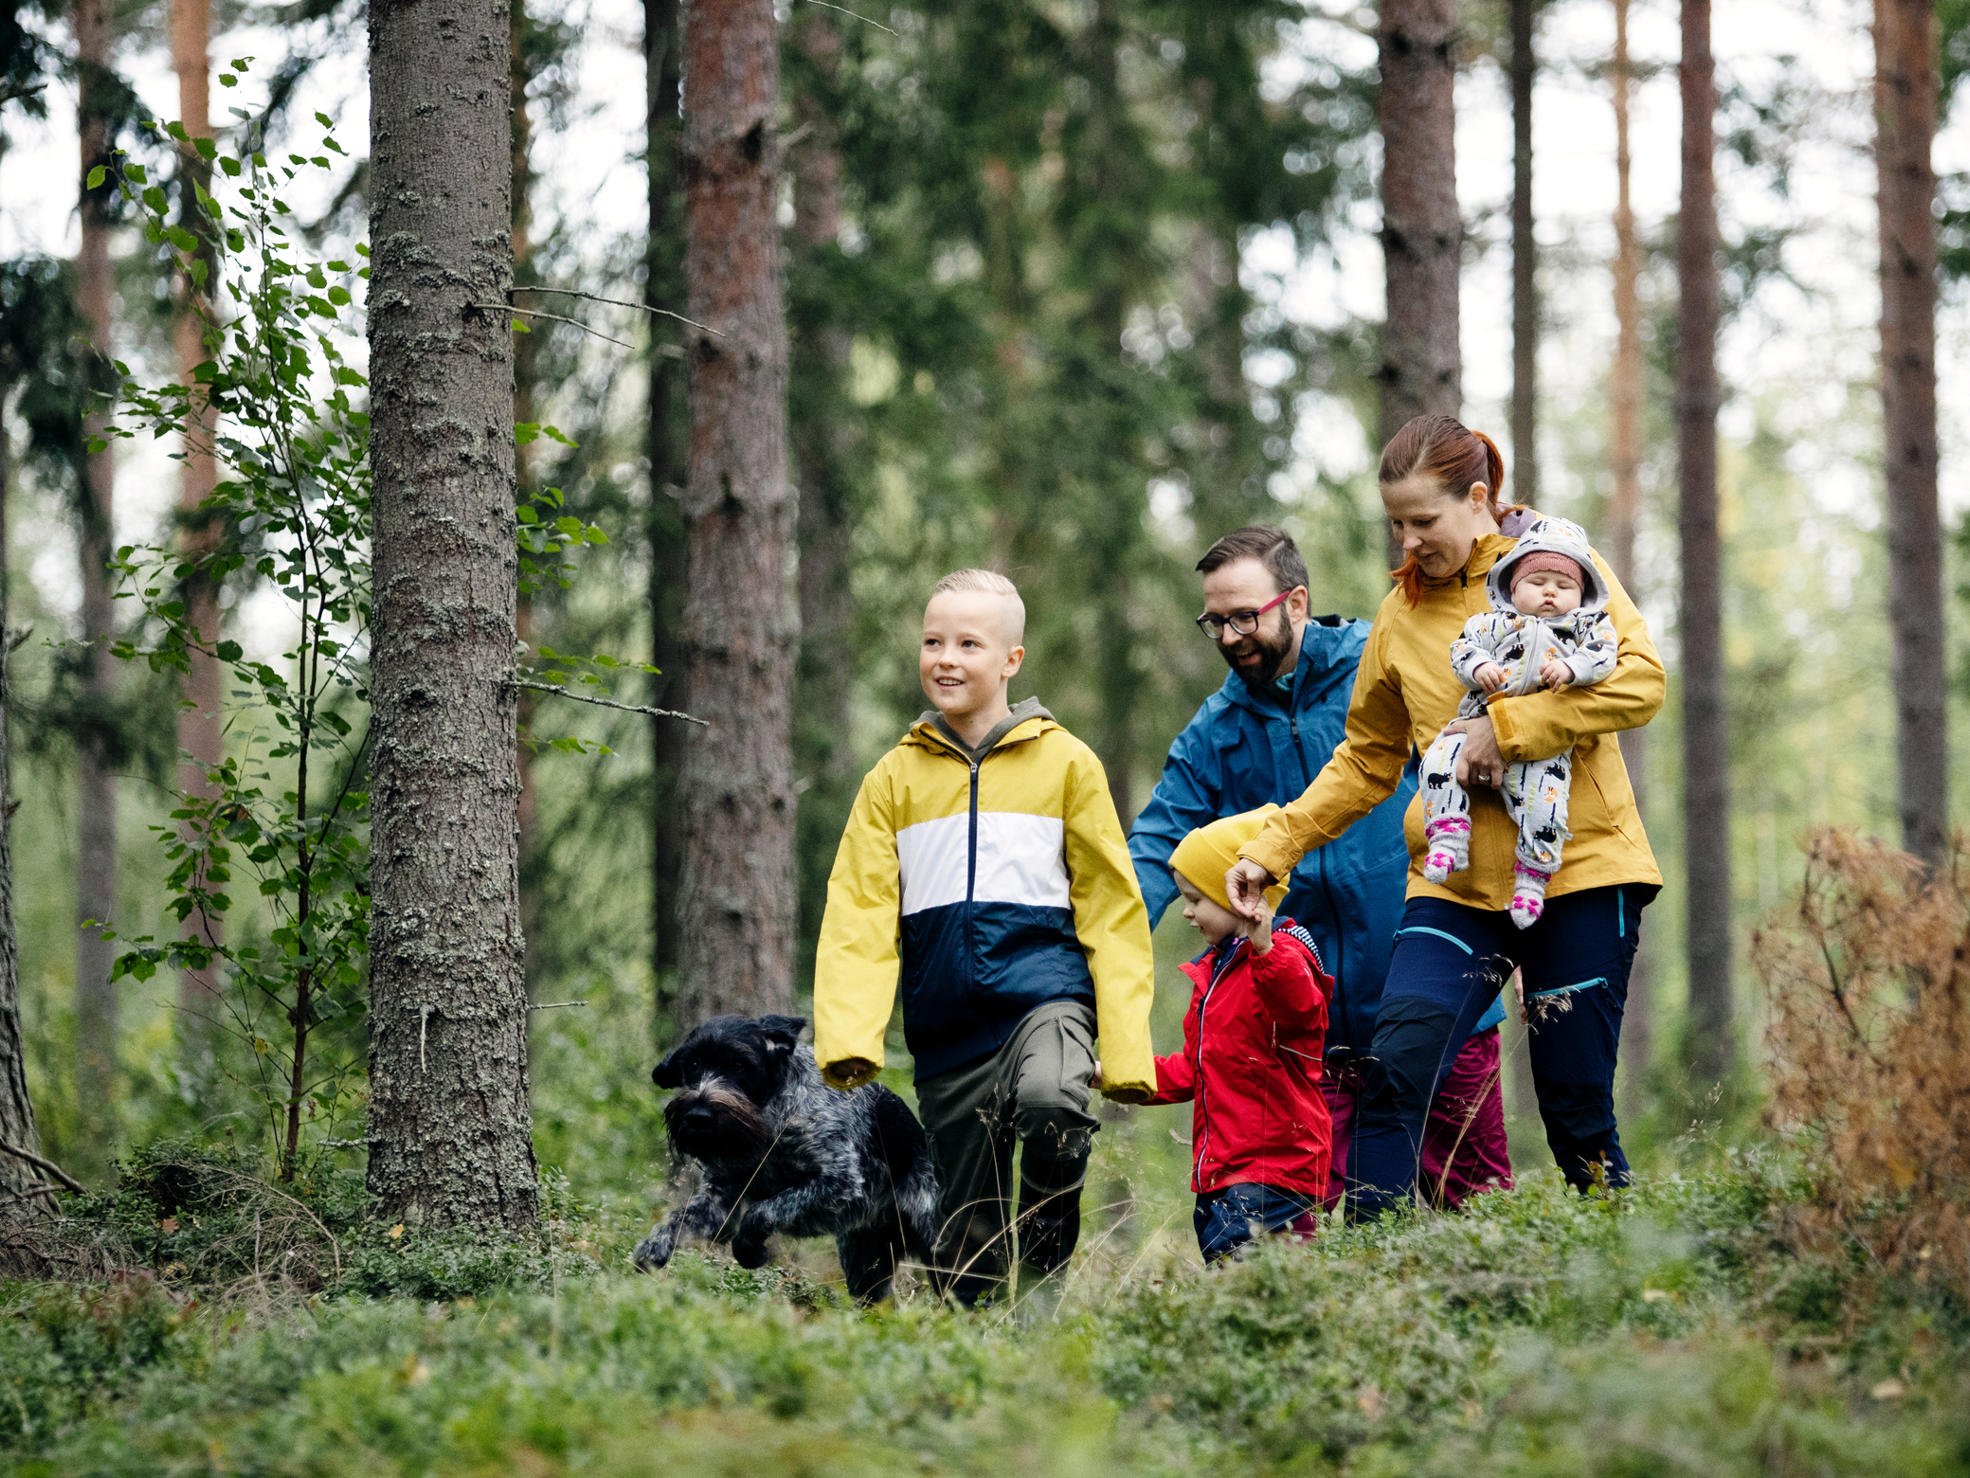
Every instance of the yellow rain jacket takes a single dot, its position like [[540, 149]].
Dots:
[[1406, 691], [985, 885]]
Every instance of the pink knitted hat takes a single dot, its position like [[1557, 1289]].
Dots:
[[1548, 559]]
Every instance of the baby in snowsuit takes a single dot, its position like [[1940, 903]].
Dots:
[[1548, 626]]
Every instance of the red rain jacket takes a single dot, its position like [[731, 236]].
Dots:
[[1250, 1065]]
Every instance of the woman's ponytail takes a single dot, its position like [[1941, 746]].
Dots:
[[1494, 473]]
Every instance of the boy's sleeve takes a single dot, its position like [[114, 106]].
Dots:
[[1185, 798], [1293, 986], [1113, 928], [855, 966], [1549, 722], [1598, 651], [1365, 768], [1176, 1075]]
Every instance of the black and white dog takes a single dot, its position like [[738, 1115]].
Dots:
[[781, 1152]]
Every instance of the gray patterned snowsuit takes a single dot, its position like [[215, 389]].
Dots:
[[1535, 790]]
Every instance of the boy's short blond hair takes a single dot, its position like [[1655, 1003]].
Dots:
[[989, 582]]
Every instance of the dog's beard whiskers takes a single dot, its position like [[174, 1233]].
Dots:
[[737, 1126]]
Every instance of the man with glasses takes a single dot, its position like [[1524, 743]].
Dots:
[[1262, 737]]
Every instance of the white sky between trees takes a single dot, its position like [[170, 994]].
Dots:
[[1806, 343]]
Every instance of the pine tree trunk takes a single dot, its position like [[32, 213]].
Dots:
[[525, 355], [1624, 513], [740, 628], [821, 418], [1422, 232], [201, 719], [450, 1128], [16, 1109], [663, 289], [1905, 101], [95, 993], [1525, 263], [1706, 727]]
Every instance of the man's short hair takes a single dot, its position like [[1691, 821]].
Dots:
[[1271, 546], [989, 582]]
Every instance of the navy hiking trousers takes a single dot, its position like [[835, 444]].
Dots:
[[1450, 962]]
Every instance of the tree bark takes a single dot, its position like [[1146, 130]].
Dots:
[[1706, 727], [1624, 507], [1523, 67], [525, 355], [740, 628], [663, 289], [1905, 103], [450, 1128], [16, 1108], [820, 427], [95, 993], [201, 719], [1422, 233]]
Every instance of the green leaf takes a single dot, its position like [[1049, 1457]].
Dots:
[[135, 174], [155, 200], [229, 651], [207, 150], [97, 176], [338, 295], [231, 166], [177, 131]]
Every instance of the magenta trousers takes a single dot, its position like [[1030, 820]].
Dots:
[[1464, 1140]]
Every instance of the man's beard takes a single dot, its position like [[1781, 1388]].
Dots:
[[1274, 647]]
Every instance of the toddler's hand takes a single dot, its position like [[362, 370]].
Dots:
[[1490, 677], [1258, 933], [1555, 674]]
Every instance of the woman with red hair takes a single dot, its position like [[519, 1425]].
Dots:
[[1440, 484]]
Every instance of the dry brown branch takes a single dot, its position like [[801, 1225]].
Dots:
[[47, 1167]]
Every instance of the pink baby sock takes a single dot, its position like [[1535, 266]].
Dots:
[[1528, 894], [1449, 842]]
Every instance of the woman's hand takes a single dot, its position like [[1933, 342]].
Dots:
[[1489, 678], [1245, 886], [1555, 674], [1480, 763]]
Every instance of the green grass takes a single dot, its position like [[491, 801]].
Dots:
[[1671, 1330]]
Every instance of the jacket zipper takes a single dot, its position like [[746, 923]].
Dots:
[[971, 885]]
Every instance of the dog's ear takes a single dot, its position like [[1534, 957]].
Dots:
[[782, 1031], [666, 1075]]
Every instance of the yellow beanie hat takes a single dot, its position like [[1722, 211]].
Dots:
[[1207, 854]]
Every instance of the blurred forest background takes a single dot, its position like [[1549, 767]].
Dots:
[[1071, 288]]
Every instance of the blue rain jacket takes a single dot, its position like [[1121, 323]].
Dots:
[[1240, 751]]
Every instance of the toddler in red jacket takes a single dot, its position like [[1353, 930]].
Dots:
[[1250, 1064]]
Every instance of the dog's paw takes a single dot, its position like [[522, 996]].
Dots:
[[654, 1251], [749, 1252]]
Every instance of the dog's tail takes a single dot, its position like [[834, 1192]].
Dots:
[[912, 1172]]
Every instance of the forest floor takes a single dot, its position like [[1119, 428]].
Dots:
[[1683, 1326]]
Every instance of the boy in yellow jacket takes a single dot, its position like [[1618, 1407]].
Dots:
[[984, 868]]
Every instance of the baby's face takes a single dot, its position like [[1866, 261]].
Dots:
[[1546, 593]]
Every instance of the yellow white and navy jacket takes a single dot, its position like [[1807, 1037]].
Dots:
[[984, 886]]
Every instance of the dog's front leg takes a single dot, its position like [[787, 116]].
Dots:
[[806, 1210], [704, 1216]]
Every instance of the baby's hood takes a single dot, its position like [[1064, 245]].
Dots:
[[1556, 536]]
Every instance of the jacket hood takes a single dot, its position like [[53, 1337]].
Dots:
[[1330, 648], [1027, 720], [1553, 536]]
